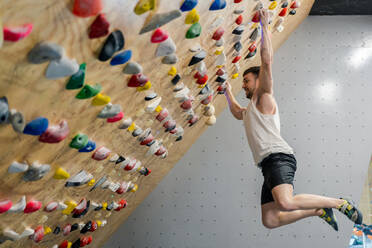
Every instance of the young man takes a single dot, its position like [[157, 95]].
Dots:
[[273, 155]]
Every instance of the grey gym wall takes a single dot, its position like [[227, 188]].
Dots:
[[212, 196]]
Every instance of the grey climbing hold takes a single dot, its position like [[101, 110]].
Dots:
[[17, 120], [81, 178], [170, 59], [238, 30], [110, 110], [259, 6], [238, 46], [236, 38], [36, 171], [238, 11], [159, 20], [4, 110], [198, 57], [132, 68], [201, 68], [19, 206], [220, 42], [62, 68], [179, 87], [137, 132], [166, 48], [16, 167], [254, 35], [126, 123], [45, 51]]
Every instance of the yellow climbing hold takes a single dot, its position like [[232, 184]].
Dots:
[[192, 17], [273, 5], [99, 223], [134, 188], [143, 6], [69, 244], [219, 66], [158, 109], [202, 85], [219, 50], [235, 75], [91, 182], [147, 86], [132, 127], [71, 205], [100, 100], [104, 205], [47, 230], [60, 173], [254, 25], [173, 71]]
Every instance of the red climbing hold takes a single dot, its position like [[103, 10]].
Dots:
[[220, 72], [93, 227], [64, 244], [81, 206], [85, 8], [56, 133], [295, 5], [38, 234], [160, 151], [202, 80], [237, 1], [236, 59], [85, 241], [137, 80], [162, 115], [256, 17], [16, 33], [207, 100], [218, 33], [32, 206], [252, 47], [149, 139], [5, 205], [122, 204], [283, 12], [159, 35], [99, 28], [239, 20], [186, 104], [116, 118]]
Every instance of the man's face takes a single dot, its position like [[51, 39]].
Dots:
[[249, 84]]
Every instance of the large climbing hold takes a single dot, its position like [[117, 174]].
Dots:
[[81, 178], [218, 4], [62, 68], [166, 48], [198, 57], [32, 206], [55, 133], [121, 58], [143, 6], [76, 81], [159, 36], [45, 51], [17, 120], [79, 141], [4, 110], [36, 126], [194, 31], [132, 68], [218, 33], [36, 171], [188, 5], [5, 205], [159, 20], [86, 8], [99, 28], [192, 17], [17, 33], [115, 42], [88, 91]]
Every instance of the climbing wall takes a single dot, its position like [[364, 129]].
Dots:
[[34, 79]]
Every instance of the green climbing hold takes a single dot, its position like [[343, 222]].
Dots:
[[89, 91], [194, 31], [77, 80], [79, 141]]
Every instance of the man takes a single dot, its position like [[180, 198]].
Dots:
[[273, 155]]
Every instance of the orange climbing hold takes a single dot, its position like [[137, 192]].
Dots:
[[85, 8]]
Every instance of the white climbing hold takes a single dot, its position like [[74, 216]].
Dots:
[[27, 232], [221, 59], [182, 93], [209, 110], [126, 123], [211, 120], [166, 48], [153, 104], [62, 68], [220, 42], [51, 206], [201, 68], [61, 206], [196, 47], [236, 38], [10, 234], [216, 23], [19, 206], [17, 167]]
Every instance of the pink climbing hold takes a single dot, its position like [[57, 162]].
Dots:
[[38, 234], [101, 153], [256, 17], [56, 133], [5, 205], [159, 35], [218, 33], [193, 120], [66, 229], [116, 118], [85, 8], [17, 33], [32, 206], [186, 105], [239, 20], [99, 28]]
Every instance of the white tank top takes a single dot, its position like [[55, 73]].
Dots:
[[263, 133]]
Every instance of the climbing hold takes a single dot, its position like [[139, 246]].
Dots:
[[218, 4], [57, 230], [110, 110], [295, 4], [256, 17], [99, 28], [38, 234], [76, 81], [115, 118], [179, 87], [211, 120], [101, 153], [194, 31], [219, 51], [254, 35], [218, 33], [238, 11], [150, 96], [36, 171], [207, 100], [126, 123], [186, 105], [273, 5], [5, 205], [32, 206], [259, 6], [195, 48], [17, 33], [238, 46], [198, 57], [27, 232], [45, 51], [85, 8], [176, 79], [239, 20], [165, 48], [235, 75], [16, 119], [193, 120], [221, 60], [283, 12], [285, 4], [173, 71], [47, 230], [222, 78], [90, 146], [61, 68], [201, 68], [132, 68], [121, 58], [143, 6], [55, 133], [192, 17], [81, 178], [159, 36], [16, 167], [202, 80], [137, 131], [79, 141], [81, 207], [159, 20], [9, 234], [279, 28], [61, 173], [236, 59], [74, 227], [51, 206], [36, 126], [188, 5], [100, 99], [237, 1], [238, 30], [209, 110], [153, 104], [220, 72], [88, 91], [170, 59], [115, 42], [66, 229], [252, 47], [220, 42], [292, 12], [205, 90]]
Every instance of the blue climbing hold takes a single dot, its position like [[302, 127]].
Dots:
[[121, 58], [91, 145], [37, 126], [188, 5], [218, 4]]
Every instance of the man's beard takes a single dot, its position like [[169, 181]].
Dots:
[[249, 94]]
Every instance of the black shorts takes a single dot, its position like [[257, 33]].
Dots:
[[277, 168]]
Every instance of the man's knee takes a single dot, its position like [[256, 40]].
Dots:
[[270, 223], [285, 204]]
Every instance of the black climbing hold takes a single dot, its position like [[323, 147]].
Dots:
[[110, 206], [152, 142], [176, 79], [285, 4], [292, 12], [76, 244], [238, 46], [4, 110], [98, 208], [179, 138], [86, 227], [57, 230], [115, 42], [74, 227], [221, 79], [119, 160], [205, 90], [238, 30], [254, 35], [82, 213], [251, 54], [198, 57]]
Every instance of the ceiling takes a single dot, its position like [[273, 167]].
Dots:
[[342, 7]]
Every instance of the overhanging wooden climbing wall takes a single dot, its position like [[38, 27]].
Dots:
[[31, 93]]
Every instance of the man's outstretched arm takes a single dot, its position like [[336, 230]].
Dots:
[[235, 107]]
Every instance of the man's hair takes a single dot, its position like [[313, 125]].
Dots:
[[255, 70]]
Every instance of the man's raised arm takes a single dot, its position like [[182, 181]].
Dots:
[[235, 107]]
